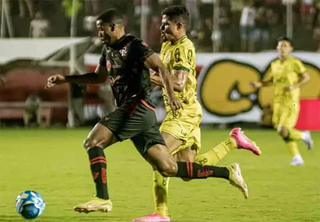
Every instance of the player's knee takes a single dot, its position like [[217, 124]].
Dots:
[[91, 142], [168, 169], [283, 132]]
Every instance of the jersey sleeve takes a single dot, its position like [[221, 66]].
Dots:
[[299, 67], [141, 50], [182, 58]]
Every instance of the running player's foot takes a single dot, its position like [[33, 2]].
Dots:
[[96, 204], [306, 137], [155, 217], [243, 142], [237, 180], [297, 160]]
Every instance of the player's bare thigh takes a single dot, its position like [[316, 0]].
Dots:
[[99, 136], [171, 142], [160, 158]]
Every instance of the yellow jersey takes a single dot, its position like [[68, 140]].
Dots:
[[181, 56], [286, 73]]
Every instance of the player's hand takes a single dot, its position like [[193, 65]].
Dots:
[[55, 80], [175, 104], [289, 88], [256, 85]]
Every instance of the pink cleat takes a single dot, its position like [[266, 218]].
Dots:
[[155, 217], [243, 142]]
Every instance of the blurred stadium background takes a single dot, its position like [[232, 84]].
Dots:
[[235, 42]]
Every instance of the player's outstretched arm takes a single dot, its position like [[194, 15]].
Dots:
[[258, 85], [99, 76], [154, 62]]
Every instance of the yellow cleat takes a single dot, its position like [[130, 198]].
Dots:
[[237, 180], [96, 204]]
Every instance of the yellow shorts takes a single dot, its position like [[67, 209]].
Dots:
[[185, 127], [285, 115]]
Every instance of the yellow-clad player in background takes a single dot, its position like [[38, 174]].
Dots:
[[287, 76], [182, 132]]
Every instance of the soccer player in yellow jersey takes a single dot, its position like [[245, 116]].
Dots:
[[288, 74], [181, 133]]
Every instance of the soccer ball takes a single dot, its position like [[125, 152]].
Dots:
[[30, 204]]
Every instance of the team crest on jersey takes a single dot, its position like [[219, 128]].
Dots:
[[108, 66]]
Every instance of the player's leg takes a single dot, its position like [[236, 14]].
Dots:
[[26, 118], [186, 149], [98, 138], [38, 114], [159, 157], [285, 129], [288, 132], [236, 140], [278, 118], [160, 183], [121, 124]]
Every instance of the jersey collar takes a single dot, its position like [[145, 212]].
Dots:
[[180, 40], [122, 41]]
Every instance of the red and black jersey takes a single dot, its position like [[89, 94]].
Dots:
[[124, 61]]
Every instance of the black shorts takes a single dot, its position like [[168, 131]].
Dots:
[[136, 121]]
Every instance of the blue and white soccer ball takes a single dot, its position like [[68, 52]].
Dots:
[[30, 204]]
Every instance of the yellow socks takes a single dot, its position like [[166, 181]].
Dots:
[[293, 147], [160, 191], [213, 156]]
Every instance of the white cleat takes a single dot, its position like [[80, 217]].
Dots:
[[297, 160], [306, 137]]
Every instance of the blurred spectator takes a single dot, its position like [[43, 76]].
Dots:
[[277, 28], [76, 106], [39, 26], [262, 29], [237, 5], [225, 27], [272, 3], [194, 14], [247, 25], [93, 7], [202, 41], [222, 35], [153, 38], [316, 25], [32, 111], [137, 15], [316, 37], [307, 11], [165, 3], [26, 5]]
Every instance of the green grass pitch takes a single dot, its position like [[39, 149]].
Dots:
[[53, 162]]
